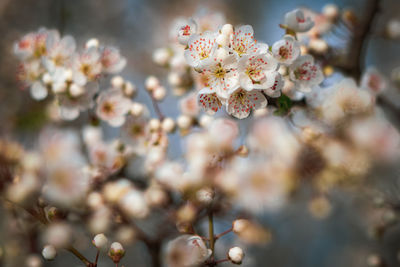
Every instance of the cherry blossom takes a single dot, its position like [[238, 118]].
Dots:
[[112, 106], [87, 66], [111, 60], [295, 20], [373, 81], [200, 49], [241, 102], [59, 51], [208, 101], [305, 74], [286, 50], [257, 71], [275, 89], [182, 30], [243, 42]]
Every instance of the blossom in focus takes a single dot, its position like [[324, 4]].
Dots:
[[241, 102], [208, 101], [305, 74], [286, 50], [243, 43], [200, 48], [182, 30]]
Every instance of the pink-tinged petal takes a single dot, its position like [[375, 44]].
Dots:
[[275, 89], [200, 47], [241, 102]]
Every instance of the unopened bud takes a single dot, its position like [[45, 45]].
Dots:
[[151, 83], [49, 252], [159, 93], [116, 252], [236, 255], [168, 125], [92, 43], [117, 82], [100, 241]]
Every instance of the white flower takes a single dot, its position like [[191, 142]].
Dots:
[[200, 48], [106, 156], [183, 29], [286, 50], [33, 45], [222, 74], [373, 81], [257, 71], [188, 105], [241, 102], [236, 255], [111, 60], [134, 204], [135, 131], [296, 21], [30, 72], [208, 101], [112, 106], [243, 42], [87, 66], [305, 74], [187, 251], [70, 106], [230, 131], [59, 51]]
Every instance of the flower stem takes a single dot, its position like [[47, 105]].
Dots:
[[211, 233], [79, 255], [223, 233]]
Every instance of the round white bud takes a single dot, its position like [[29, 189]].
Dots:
[[76, 90], [161, 56], [239, 225], [331, 11], [151, 83], [136, 109], [49, 252], [227, 29], [222, 54], [94, 200], [100, 241], [92, 43], [205, 120], [205, 195], [184, 122], [174, 78], [236, 255], [168, 125], [318, 45], [117, 82], [159, 93], [116, 252], [154, 124], [33, 261], [68, 74], [47, 78], [129, 89], [222, 40]]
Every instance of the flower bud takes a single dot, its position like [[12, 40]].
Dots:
[[161, 56], [116, 252], [92, 43], [205, 120], [154, 124], [49, 252], [159, 93], [47, 78], [136, 109], [184, 122], [175, 79], [100, 241], [33, 261], [205, 195], [168, 125], [151, 83], [227, 29], [236, 255], [75, 90], [117, 82], [129, 89], [223, 40], [331, 11]]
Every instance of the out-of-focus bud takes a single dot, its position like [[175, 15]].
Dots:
[[76, 90], [116, 252], [51, 213], [126, 235], [186, 213], [161, 56], [136, 109], [117, 82], [59, 235], [154, 124], [227, 29], [175, 79], [328, 70], [250, 232], [100, 241], [94, 200], [134, 204], [168, 125], [236, 255], [92, 43], [49, 252], [155, 196], [205, 120], [393, 29], [184, 122], [114, 191], [129, 89], [205, 195], [331, 11], [47, 78], [151, 83], [374, 260], [303, 50], [159, 93], [319, 46], [33, 261]]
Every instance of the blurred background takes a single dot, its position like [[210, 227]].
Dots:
[[138, 27]]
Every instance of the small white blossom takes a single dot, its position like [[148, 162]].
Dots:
[[112, 106], [286, 50], [241, 102], [296, 21], [200, 49], [305, 74]]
